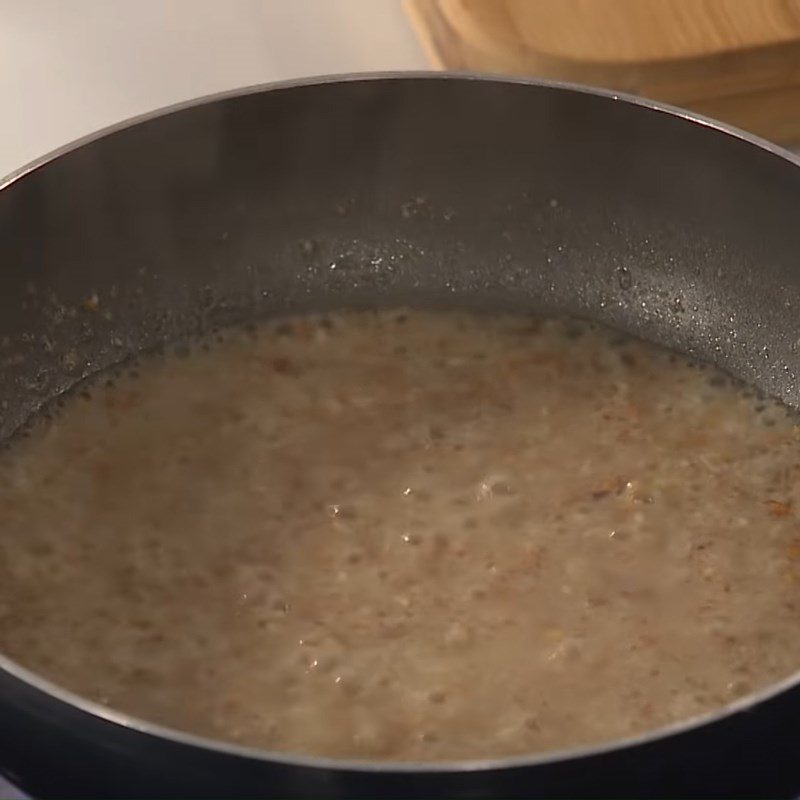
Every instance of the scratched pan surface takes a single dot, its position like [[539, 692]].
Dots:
[[433, 191]]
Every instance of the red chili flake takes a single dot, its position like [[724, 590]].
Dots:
[[778, 508]]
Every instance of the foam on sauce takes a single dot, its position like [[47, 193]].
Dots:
[[406, 535]]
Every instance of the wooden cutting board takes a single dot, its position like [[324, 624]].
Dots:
[[737, 60]]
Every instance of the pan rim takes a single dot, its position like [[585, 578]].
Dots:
[[390, 76], [539, 759]]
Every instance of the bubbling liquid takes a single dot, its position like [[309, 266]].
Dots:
[[407, 536]]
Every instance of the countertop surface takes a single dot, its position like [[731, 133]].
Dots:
[[70, 68]]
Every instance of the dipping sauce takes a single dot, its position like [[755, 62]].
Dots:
[[405, 535]]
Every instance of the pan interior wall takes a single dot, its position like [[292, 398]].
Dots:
[[429, 192]]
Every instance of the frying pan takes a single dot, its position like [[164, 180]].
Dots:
[[428, 190]]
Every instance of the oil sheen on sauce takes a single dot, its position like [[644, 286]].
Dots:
[[406, 536]]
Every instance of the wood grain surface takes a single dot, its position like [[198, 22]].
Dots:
[[735, 59]]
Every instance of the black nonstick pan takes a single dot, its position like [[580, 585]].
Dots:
[[426, 190]]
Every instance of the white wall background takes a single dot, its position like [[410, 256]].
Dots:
[[69, 67]]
